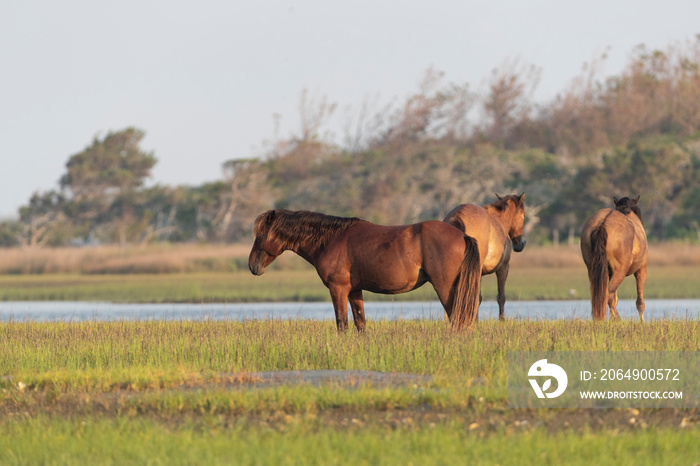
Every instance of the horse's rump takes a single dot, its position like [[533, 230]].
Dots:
[[474, 221]]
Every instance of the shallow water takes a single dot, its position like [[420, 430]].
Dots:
[[72, 311], [353, 378]]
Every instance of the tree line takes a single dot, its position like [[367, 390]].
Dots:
[[635, 133]]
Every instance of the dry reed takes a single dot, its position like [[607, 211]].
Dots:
[[660, 255], [185, 258], [164, 258]]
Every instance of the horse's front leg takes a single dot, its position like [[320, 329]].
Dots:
[[358, 310], [339, 295], [444, 293], [501, 276], [641, 277]]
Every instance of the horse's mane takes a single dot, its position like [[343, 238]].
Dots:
[[292, 228], [502, 203], [627, 205]]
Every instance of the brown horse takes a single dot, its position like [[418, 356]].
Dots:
[[496, 227], [614, 245], [351, 255]]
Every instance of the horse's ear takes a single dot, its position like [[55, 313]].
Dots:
[[636, 201], [522, 198], [497, 196], [615, 201], [263, 223], [270, 217], [265, 219]]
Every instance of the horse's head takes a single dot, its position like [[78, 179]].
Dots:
[[515, 207], [265, 247], [627, 205]]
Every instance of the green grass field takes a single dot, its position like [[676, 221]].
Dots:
[[183, 392], [144, 441], [534, 283]]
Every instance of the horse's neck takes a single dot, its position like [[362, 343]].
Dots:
[[502, 217], [307, 251], [311, 246]]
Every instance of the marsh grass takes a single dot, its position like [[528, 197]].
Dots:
[[534, 283], [46, 441], [153, 288], [168, 392], [105, 356]]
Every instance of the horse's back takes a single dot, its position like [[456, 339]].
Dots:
[[473, 217], [366, 235], [392, 259]]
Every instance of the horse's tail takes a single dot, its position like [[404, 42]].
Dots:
[[599, 272], [465, 303]]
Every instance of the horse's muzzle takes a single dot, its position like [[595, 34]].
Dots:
[[519, 244], [256, 269]]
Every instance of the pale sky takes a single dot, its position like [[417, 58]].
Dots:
[[205, 78]]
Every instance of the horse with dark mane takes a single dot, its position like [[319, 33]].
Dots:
[[498, 228], [352, 255], [614, 246]]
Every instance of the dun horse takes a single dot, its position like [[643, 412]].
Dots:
[[496, 227], [352, 255], [614, 245]]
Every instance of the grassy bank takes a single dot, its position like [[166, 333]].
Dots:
[[84, 359], [185, 392], [419, 347], [524, 283]]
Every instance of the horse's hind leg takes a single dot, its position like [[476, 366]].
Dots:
[[339, 295], [501, 276], [615, 282], [641, 277], [358, 310], [612, 304]]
